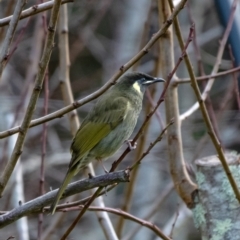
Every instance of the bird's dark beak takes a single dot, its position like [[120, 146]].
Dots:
[[148, 82]]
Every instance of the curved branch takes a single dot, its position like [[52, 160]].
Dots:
[[133, 218]]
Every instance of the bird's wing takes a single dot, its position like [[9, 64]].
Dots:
[[98, 124]]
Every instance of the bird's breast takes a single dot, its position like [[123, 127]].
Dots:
[[113, 141]]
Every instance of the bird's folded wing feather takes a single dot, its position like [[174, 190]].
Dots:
[[98, 124]]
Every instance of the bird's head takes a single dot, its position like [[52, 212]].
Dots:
[[137, 81]]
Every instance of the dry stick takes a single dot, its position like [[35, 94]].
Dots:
[[127, 215], [111, 81], [154, 209], [22, 98], [235, 80], [44, 142], [86, 33], [8, 11], [224, 101], [158, 139], [19, 38], [161, 99], [44, 134], [145, 34], [184, 186], [103, 217], [157, 113], [64, 66], [211, 76], [174, 222], [17, 151], [206, 77], [202, 73], [217, 64], [65, 206], [205, 114], [35, 9], [4, 54], [83, 210]]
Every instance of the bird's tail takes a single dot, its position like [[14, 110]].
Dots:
[[66, 180]]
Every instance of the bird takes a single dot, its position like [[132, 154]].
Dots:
[[108, 125]]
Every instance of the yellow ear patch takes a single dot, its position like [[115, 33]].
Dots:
[[136, 86]]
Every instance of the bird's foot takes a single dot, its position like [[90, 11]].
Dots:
[[129, 143]]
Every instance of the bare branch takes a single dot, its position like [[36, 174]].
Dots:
[[127, 215], [207, 77], [10, 34], [32, 11], [36, 205]]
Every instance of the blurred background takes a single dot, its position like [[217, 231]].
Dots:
[[104, 35]]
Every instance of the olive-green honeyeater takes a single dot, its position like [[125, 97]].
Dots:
[[110, 122]]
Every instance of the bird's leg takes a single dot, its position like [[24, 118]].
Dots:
[[100, 160], [129, 143]]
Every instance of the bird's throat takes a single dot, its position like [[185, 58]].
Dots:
[[137, 87]]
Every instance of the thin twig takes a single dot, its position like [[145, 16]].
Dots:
[[154, 209], [235, 80], [64, 67], [44, 143], [207, 77], [83, 210], [158, 139], [127, 215], [9, 9], [82, 201], [216, 65], [174, 222], [44, 135], [202, 73], [35, 9], [4, 54], [19, 38]]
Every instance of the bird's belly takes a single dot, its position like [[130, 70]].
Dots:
[[113, 141]]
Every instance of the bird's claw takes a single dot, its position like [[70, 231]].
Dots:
[[129, 143]]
